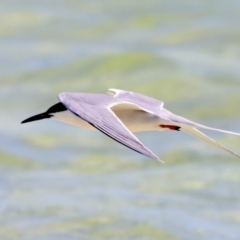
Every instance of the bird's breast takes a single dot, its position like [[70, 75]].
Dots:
[[70, 118]]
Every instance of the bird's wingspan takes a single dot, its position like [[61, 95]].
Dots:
[[196, 133], [101, 117]]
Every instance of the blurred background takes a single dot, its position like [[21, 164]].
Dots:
[[60, 182]]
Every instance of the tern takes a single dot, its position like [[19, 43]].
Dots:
[[119, 114]]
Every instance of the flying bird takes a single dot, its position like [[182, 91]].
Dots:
[[119, 114]]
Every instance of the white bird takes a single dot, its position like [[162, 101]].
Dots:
[[120, 113]]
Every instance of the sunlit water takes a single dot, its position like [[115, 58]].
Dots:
[[60, 182]]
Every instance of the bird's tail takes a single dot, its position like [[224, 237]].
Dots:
[[196, 133], [218, 130]]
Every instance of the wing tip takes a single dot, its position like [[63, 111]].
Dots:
[[113, 92], [157, 158]]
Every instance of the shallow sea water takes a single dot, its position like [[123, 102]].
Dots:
[[60, 182]]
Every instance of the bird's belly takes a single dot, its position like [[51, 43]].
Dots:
[[138, 120]]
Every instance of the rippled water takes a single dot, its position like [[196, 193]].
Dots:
[[60, 182]]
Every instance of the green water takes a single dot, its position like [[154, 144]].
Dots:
[[60, 182]]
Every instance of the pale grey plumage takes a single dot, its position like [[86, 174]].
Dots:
[[122, 113], [95, 109], [99, 114]]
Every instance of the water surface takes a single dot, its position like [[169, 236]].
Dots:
[[60, 182]]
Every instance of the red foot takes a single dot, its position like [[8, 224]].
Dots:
[[172, 127]]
